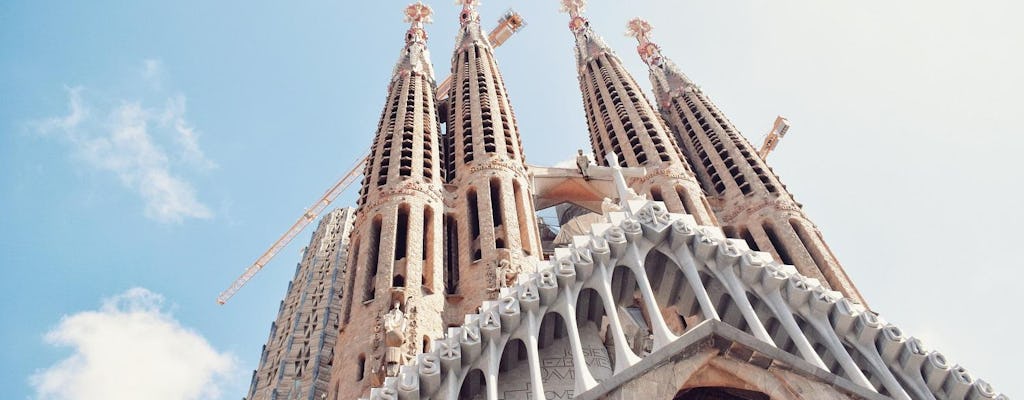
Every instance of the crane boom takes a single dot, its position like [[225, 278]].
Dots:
[[778, 131], [311, 213], [508, 25]]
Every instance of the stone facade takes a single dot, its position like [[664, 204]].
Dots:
[[490, 223], [622, 121], [296, 361], [393, 294], [749, 199], [445, 291]]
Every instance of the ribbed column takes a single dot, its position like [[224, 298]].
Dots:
[[622, 121], [491, 208], [393, 293], [750, 200]]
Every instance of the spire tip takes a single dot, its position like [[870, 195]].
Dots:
[[418, 13]]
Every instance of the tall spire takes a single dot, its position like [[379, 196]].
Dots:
[[750, 201], [491, 226], [589, 44], [395, 256], [666, 76], [623, 122], [415, 56]]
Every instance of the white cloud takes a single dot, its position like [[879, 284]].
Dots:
[[131, 349], [130, 143]]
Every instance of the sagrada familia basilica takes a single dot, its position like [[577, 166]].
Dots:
[[683, 269]]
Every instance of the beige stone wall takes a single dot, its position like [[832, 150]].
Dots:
[[749, 199], [622, 121], [393, 295], [296, 361], [493, 229]]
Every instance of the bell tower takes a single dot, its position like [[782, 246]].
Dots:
[[750, 200], [622, 121], [491, 228], [393, 293]]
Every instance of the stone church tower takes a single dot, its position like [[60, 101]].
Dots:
[[437, 286], [623, 122], [749, 199], [393, 293], [491, 226]]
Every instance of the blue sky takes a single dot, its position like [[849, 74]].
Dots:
[[149, 151]]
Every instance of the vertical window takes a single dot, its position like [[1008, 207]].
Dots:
[[451, 276], [780, 247], [402, 232], [496, 211], [428, 248], [361, 367], [351, 279], [474, 214], [524, 222], [369, 284]]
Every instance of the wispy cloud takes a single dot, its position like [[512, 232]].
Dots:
[[131, 141], [131, 349]]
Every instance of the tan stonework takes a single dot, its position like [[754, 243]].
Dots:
[[393, 294], [299, 353], [749, 199], [491, 225], [622, 121], [445, 262]]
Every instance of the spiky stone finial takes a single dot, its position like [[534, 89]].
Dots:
[[469, 13], [575, 10], [417, 14], [641, 29]]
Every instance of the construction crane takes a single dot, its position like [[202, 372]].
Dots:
[[311, 213], [777, 133], [509, 24]]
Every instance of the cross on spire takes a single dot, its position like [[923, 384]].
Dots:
[[649, 51]]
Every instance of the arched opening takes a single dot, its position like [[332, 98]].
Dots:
[[474, 387], [451, 265], [360, 367], [684, 197], [370, 278], [667, 281], [656, 194], [426, 344], [632, 311], [512, 356], [552, 328], [428, 249], [474, 214], [719, 393], [350, 280], [595, 334], [496, 211], [402, 232], [780, 248], [524, 224]]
